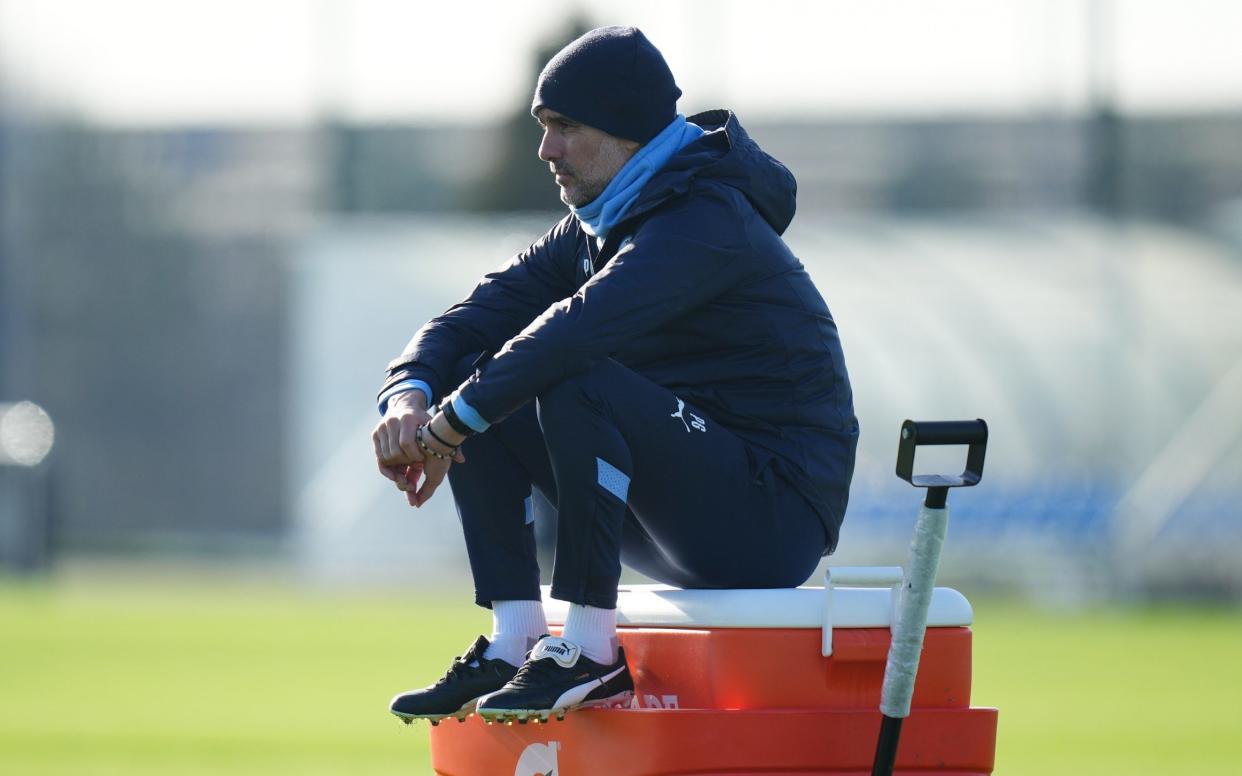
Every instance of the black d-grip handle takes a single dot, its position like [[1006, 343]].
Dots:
[[943, 432]]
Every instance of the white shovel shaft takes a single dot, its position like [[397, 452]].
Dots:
[[911, 619]]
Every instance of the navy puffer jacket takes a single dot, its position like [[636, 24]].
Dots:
[[695, 290]]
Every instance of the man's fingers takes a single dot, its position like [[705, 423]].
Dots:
[[403, 476], [380, 438], [407, 438], [375, 440], [392, 440], [431, 480], [408, 481], [399, 458], [395, 443], [425, 493], [411, 492]]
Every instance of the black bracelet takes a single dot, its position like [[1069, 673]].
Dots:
[[455, 422], [438, 438]]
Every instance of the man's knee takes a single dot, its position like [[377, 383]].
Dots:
[[585, 391]]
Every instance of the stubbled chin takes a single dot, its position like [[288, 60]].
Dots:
[[572, 198]]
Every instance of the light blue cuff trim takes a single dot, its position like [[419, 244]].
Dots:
[[469, 416], [529, 503], [612, 479], [403, 387]]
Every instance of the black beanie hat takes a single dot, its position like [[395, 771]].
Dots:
[[613, 79]]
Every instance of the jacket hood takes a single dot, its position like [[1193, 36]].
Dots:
[[728, 155]]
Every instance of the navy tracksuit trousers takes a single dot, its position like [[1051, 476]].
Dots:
[[638, 476]]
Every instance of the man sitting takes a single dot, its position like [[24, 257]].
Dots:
[[659, 365]]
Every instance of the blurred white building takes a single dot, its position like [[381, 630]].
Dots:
[[1106, 359]]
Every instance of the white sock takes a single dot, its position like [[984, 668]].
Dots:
[[516, 626], [594, 631]]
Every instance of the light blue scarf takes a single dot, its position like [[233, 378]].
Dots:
[[602, 213]]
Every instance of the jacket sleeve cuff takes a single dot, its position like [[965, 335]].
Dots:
[[469, 415], [403, 387]]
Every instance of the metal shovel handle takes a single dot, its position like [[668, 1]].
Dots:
[[910, 622]]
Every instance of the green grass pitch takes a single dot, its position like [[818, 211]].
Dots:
[[166, 677]]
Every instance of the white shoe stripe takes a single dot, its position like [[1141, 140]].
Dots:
[[576, 695], [609, 677]]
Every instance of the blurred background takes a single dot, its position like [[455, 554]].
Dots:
[[219, 221]]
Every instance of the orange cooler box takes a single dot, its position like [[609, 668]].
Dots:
[[749, 682]]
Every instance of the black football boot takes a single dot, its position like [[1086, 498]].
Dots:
[[557, 678], [470, 677]]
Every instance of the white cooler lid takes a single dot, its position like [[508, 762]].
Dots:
[[661, 606]]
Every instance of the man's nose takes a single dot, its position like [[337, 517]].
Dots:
[[550, 146]]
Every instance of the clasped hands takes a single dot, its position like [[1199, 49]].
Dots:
[[400, 456]]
